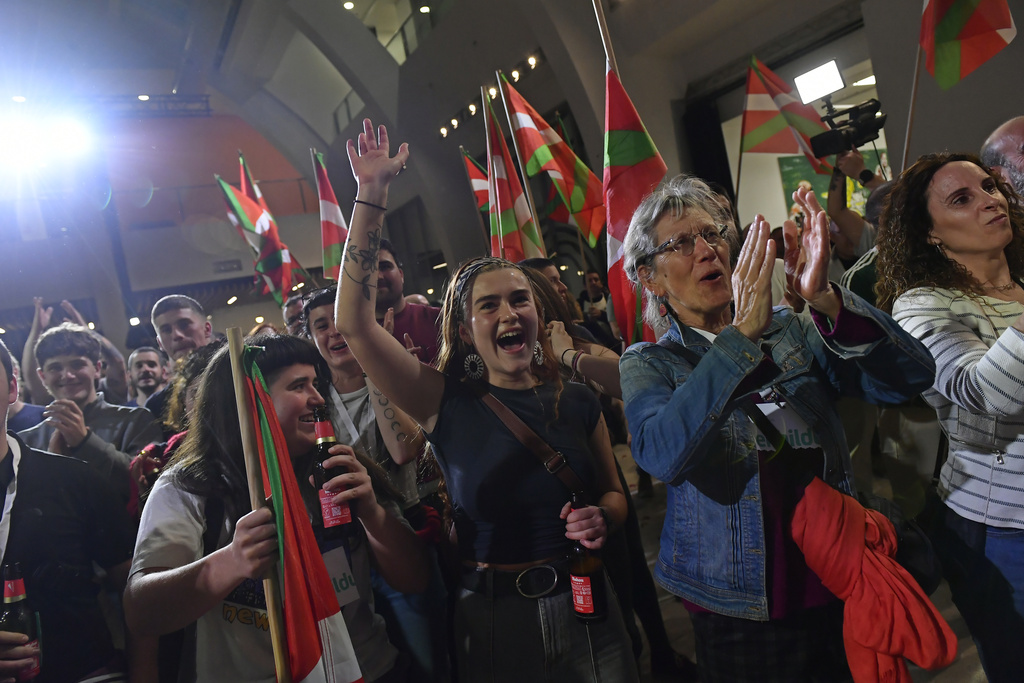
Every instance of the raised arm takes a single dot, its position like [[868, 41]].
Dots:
[[29, 375], [416, 388], [116, 373]]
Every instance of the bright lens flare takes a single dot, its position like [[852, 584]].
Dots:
[[30, 142]]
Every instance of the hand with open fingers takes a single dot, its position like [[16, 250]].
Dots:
[[42, 315], [807, 254], [561, 342], [752, 281], [389, 322], [354, 487], [410, 345], [370, 156], [585, 524], [254, 545], [15, 655], [73, 313], [68, 419]]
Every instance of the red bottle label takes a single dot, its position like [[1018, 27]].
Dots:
[[14, 589], [582, 594], [323, 430], [333, 513], [30, 672]]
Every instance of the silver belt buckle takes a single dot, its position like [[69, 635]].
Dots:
[[554, 581]]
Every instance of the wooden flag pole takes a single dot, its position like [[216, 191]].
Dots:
[[606, 38], [910, 114], [519, 155], [491, 182], [476, 209], [254, 476]]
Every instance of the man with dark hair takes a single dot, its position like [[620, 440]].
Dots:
[[292, 312], [62, 518], [79, 422], [181, 326], [146, 373], [418, 322], [1003, 152]]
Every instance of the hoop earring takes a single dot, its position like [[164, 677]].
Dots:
[[938, 248], [473, 365], [538, 353]]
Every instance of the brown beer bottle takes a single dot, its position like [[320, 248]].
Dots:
[[586, 576], [18, 618], [337, 517]]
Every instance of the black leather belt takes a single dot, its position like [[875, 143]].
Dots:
[[539, 581]]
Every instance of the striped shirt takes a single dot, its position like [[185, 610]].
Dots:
[[979, 398]]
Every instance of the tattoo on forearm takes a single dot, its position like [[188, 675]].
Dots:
[[366, 260]]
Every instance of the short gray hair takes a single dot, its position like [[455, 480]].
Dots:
[[673, 197]]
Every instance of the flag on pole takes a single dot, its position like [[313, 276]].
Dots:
[[250, 189], [544, 150], [514, 235], [632, 169], [256, 225], [333, 229], [477, 179], [958, 36], [775, 121], [319, 646]]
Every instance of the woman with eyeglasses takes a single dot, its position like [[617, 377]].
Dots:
[[697, 404]]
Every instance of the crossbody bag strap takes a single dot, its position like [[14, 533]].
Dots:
[[553, 461], [746, 404]]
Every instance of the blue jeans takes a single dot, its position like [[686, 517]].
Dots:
[[417, 624], [511, 638], [984, 566]]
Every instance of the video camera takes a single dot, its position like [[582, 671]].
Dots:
[[861, 125]]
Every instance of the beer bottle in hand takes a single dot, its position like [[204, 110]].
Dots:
[[586, 576], [18, 618], [337, 517]]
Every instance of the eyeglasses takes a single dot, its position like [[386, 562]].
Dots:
[[685, 243]]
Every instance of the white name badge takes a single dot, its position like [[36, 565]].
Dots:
[[798, 434], [342, 578]]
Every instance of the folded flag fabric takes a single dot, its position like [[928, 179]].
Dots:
[[333, 228], [887, 616], [958, 36], [477, 175], [775, 121], [632, 169], [319, 647]]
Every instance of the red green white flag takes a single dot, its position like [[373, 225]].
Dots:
[[632, 169], [958, 36], [333, 229], [477, 175], [514, 235], [319, 646], [544, 150], [273, 260], [775, 121]]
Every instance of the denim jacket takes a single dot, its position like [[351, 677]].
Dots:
[[687, 432]]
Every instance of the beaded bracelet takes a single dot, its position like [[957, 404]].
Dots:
[[376, 206], [575, 362]]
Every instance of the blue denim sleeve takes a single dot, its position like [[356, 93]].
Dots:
[[890, 369], [675, 411]]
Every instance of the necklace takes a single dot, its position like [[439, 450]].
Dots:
[[1003, 288]]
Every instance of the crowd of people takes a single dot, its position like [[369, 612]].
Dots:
[[762, 407]]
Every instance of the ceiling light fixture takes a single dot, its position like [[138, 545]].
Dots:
[[232, 300], [144, 98], [532, 61], [439, 266], [870, 80], [349, 5], [134, 322], [444, 132], [472, 110], [455, 124], [493, 92], [515, 75], [259, 319], [424, 9]]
